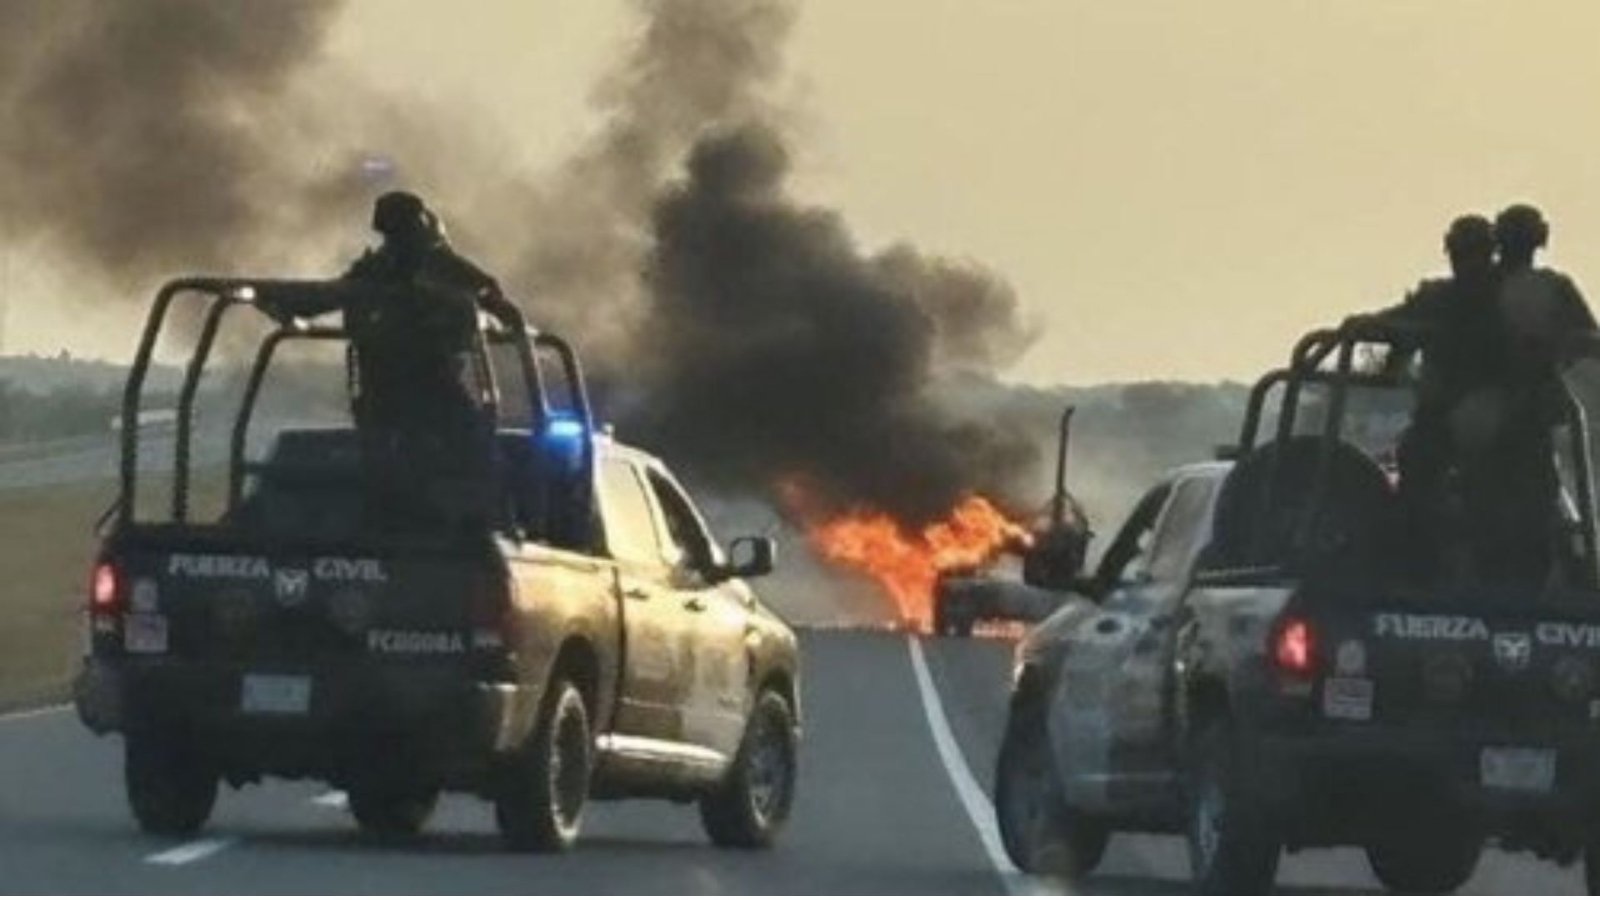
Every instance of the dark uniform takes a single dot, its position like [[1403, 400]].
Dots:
[[1516, 482], [1462, 342], [418, 403]]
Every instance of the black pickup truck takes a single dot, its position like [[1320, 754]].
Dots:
[[592, 641], [1246, 668]]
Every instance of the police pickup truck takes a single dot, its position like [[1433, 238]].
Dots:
[[594, 641], [1246, 668]]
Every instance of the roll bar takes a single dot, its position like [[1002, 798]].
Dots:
[[1307, 365], [220, 295]]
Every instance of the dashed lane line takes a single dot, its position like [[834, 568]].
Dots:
[[34, 713], [332, 800], [973, 799], [192, 852]]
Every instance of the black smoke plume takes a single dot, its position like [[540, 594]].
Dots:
[[577, 239], [748, 337], [146, 137], [776, 351]]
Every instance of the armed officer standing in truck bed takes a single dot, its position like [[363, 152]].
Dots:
[[1463, 350], [1543, 313], [427, 450], [1494, 337]]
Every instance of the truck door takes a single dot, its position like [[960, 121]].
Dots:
[[1111, 713], [713, 614], [651, 667]]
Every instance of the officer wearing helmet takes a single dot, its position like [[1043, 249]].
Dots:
[[1543, 308], [1460, 334], [1510, 463], [412, 319], [1459, 325]]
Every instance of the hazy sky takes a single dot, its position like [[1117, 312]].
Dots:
[[1176, 189]]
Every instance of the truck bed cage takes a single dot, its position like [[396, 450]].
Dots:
[[1308, 365], [221, 295]]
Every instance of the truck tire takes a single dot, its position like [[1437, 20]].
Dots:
[[752, 803], [1042, 834], [391, 811], [543, 787], [170, 788], [1432, 858], [1232, 846]]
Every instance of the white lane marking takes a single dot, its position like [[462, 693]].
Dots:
[[973, 799], [34, 713], [194, 851], [332, 800]]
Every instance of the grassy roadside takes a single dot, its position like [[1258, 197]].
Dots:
[[46, 544]]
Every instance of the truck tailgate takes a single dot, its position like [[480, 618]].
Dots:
[[235, 602], [1488, 666]]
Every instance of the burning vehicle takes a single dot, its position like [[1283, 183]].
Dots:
[[589, 640], [909, 564], [1252, 669], [1052, 556]]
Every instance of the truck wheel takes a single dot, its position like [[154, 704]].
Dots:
[[1432, 858], [543, 787], [170, 787], [752, 803], [391, 812], [1232, 848], [1041, 833]]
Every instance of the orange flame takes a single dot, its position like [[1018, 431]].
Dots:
[[907, 564]]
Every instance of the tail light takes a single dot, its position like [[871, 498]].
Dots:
[[105, 588], [1294, 647], [493, 624]]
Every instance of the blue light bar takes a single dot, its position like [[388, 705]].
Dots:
[[562, 428]]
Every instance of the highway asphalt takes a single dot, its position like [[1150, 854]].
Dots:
[[898, 755]]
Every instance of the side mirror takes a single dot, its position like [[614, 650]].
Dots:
[[750, 557]]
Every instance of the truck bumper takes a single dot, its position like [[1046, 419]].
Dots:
[[435, 720], [1340, 788]]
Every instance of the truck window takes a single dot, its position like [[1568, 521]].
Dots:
[[629, 526], [1128, 557], [1181, 529], [686, 540]]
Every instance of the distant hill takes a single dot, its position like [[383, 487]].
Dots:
[[45, 398], [42, 374], [1124, 435]]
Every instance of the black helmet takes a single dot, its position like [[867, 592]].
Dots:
[[400, 213], [1470, 235], [1521, 227]]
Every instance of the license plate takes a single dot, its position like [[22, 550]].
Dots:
[[1518, 769], [284, 695], [1347, 698], [144, 633]]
